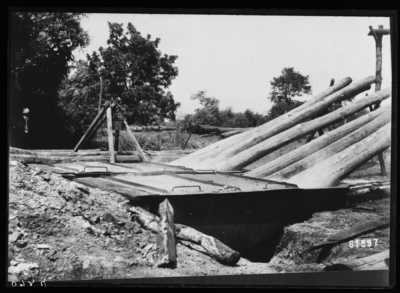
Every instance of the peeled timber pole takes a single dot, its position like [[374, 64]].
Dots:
[[310, 148], [110, 136], [267, 146], [378, 34], [135, 143], [337, 146], [213, 247], [330, 171], [218, 147]]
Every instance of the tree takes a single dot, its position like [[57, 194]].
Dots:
[[41, 46], [133, 69], [207, 102], [289, 85]]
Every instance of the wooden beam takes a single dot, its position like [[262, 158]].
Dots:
[[271, 144], [135, 143], [110, 136], [213, 247], [346, 235], [166, 248], [312, 148], [97, 121], [217, 148], [378, 32], [378, 261], [378, 73]]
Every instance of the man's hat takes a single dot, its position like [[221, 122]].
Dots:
[[25, 111]]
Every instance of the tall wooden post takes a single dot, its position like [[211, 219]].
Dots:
[[101, 92], [378, 34], [110, 135]]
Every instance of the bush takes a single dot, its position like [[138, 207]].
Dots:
[[149, 141]]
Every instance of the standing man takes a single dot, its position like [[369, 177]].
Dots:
[[24, 131]]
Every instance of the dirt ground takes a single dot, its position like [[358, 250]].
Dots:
[[62, 230]]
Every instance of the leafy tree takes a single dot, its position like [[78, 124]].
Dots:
[[207, 102], [289, 85], [41, 46], [133, 69]]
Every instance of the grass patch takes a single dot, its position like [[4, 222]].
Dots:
[[153, 141]]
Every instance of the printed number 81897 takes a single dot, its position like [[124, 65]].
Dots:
[[363, 243]]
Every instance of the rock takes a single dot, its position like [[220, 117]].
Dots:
[[14, 263], [14, 236], [22, 267], [119, 259], [129, 225], [22, 243], [43, 246]]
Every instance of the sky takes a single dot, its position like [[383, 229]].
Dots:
[[235, 57]]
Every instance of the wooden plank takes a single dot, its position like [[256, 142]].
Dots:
[[166, 248], [378, 261], [135, 143], [353, 232], [110, 136], [97, 121], [213, 247]]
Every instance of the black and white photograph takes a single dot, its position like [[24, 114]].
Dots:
[[201, 148]]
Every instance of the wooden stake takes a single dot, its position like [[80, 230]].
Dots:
[[166, 249], [110, 135], [135, 143]]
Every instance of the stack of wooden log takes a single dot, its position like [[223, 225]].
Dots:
[[151, 128], [217, 130], [92, 155], [322, 163]]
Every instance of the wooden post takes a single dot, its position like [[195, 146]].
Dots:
[[135, 143], [101, 93], [110, 135], [166, 248], [116, 140], [378, 34]]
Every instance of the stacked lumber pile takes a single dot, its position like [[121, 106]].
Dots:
[[93, 155], [329, 158], [217, 130], [151, 128]]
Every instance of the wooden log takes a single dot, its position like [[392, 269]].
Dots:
[[346, 235], [267, 146], [55, 152], [166, 248], [213, 247], [219, 146], [309, 151], [378, 261], [66, 159], [221, 130], [262, 133], [230, 133], [135, 143], [110, 136], [330, 171]]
